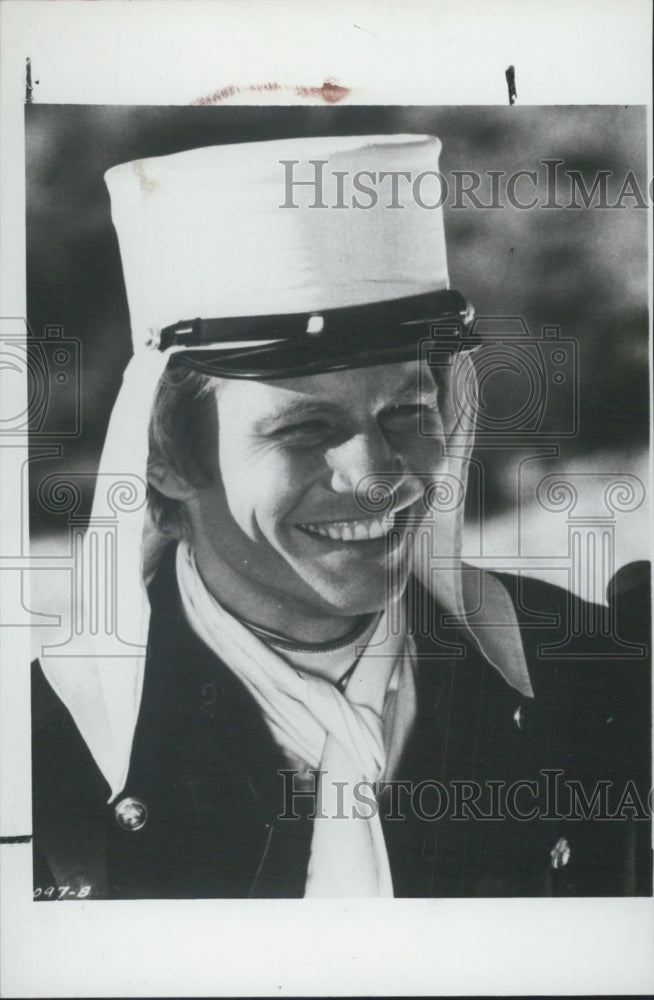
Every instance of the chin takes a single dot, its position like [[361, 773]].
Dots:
[[353, 598]]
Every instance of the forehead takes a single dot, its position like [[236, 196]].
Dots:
[[350, 389]]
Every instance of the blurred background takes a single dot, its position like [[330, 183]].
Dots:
[[583, 270]]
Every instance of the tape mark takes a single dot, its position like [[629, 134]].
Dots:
[[510, 82], [29, 86]]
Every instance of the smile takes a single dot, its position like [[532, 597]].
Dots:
[[350, 531]]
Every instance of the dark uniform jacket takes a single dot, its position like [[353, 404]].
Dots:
[[484, 801]]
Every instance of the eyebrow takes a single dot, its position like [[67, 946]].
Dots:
[[292, 410], [411, 383], [415, 383], [304, 407]]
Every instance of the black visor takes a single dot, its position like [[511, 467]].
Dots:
[[310, 343]]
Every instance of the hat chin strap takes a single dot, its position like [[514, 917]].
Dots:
[[101, 685]]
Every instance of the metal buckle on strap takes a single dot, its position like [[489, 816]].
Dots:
[[186, 333]]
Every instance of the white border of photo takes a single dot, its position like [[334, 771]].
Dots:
[[181, 52]]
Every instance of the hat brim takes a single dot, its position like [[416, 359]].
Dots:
[[290, 346]]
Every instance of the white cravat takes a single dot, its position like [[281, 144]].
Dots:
[[349, 736]]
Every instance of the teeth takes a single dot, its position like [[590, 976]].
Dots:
[[351, 531]]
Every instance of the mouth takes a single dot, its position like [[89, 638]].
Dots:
[[357, 531]]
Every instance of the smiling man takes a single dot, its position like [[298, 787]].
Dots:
[[311, 719], [278, 531]]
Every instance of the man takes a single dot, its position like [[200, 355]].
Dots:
[[311, 719]]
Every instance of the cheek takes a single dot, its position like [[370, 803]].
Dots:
[[424, 453], [261, 490]]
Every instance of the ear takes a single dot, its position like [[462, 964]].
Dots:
[[169, 482]]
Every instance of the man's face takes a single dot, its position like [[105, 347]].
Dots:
[[282, 518]]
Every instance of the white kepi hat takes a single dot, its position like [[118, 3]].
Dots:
[[253, 260], [278, 228]]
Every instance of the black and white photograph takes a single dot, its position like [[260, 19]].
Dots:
[[332, 700], [333, 492]]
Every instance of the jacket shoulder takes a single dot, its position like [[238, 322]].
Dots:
[[558, 625], [590, 667]]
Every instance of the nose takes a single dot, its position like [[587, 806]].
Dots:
[[363, 455]]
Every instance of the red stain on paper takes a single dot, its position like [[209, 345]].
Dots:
[[330, 92], [224, 93]]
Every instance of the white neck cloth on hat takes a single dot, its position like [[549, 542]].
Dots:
[[346, 736]]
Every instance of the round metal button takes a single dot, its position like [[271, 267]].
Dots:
[[560, 853], [131, 813]]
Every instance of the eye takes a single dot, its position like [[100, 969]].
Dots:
[[405, 416], [306, 431]]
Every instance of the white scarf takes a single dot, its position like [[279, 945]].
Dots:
[[352, 737]]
